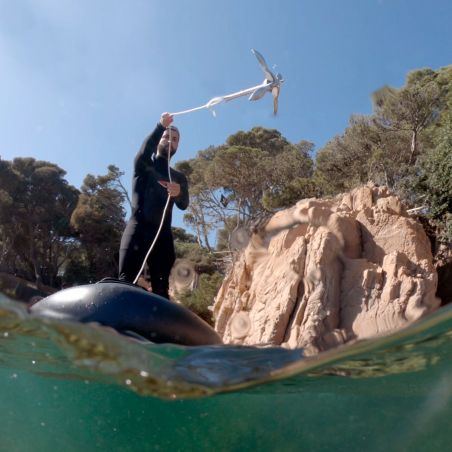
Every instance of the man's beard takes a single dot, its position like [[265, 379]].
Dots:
[[163, 150]]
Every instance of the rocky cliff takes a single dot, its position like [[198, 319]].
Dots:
[[329, 271]]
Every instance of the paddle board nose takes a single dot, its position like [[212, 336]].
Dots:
[[130, 310]]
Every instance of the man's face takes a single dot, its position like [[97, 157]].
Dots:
[[163, 146]]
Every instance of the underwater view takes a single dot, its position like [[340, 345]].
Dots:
[[68, 386]]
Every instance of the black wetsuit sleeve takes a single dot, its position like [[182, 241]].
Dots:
[[183, 199], [148, 148]]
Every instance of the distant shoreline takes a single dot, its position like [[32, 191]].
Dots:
[[19, 289]]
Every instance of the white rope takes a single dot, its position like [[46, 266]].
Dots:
[[209, 105], [226, 98], [188, 111], [212, 102], [255, 92], [163, 216]]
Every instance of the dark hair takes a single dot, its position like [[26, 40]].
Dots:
[[173, 128]]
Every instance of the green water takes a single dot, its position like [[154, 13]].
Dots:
[[80, 387]]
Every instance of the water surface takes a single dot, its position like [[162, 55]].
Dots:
[[70, 386]]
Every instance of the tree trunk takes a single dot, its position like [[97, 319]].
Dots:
[[413, 145], [198, 235], [206, 238]]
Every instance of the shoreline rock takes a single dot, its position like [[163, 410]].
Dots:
[[326, 272]]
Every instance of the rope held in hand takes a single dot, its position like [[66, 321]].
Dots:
[[163, 215]]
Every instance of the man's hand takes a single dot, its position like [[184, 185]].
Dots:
[[172, 187], [166, 119]]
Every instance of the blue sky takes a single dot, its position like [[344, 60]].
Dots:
[[82, 82]]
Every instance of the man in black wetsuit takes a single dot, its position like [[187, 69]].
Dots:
[[151, 187]]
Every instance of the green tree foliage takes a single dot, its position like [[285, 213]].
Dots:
[[291, 177], [229, 183], [404, 144], [437, 168], [36, 203], [242, 173], [384, 146], [203, 259], [202, 197], [206, 265], [203, 296], [412, 108], [181, 235], [296, 189], [363, 153], [98, 221], [187, 247]]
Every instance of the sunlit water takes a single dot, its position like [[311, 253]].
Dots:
[[75, 387]]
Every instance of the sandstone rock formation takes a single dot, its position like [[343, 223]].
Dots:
[[328, 271]]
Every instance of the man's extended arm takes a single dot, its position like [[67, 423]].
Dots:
[[149, 146]]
